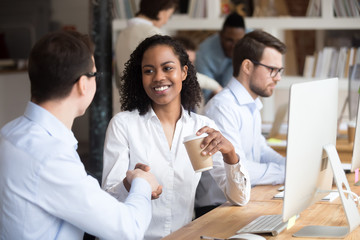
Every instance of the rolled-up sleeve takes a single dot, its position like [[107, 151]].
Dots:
[[236, 182]]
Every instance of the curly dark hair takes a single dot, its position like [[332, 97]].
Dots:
[[132, 92]]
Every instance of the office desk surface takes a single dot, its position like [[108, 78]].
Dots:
[[224, 221]]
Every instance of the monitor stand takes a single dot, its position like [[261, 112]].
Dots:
[[351, 211]]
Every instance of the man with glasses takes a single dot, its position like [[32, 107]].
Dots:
[[45, 191], [258, 65]]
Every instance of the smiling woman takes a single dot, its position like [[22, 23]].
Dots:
[[162, 80], [143, 66], [158, 90]]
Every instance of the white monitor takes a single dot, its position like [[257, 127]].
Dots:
[[355, 162], [312, 127], [353, 90]]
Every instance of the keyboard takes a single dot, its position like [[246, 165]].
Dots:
[[271, 224]]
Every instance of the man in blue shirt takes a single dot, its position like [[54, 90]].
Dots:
[[215, 53], [257, 66], [45, 191]]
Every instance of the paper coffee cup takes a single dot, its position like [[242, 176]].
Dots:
[[351, 131], [199, 162]]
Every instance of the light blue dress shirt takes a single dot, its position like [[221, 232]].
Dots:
[[211, 60], [46, 193], [238, 117]]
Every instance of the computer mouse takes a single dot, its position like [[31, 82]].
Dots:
[[246, 236]]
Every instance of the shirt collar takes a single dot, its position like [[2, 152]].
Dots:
[[242, 95], [138, 20], [50, 123], [185, 115], [152, 115]]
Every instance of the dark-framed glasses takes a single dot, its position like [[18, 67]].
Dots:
[[90, 74], [93, 74], [273, 70]]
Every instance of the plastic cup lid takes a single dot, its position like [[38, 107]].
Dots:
[[194, 136]]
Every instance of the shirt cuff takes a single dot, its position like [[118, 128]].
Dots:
[[238, 180], [140, 186], [232, 170]]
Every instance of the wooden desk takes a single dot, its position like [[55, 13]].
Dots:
[[343, 147], [224, 221]]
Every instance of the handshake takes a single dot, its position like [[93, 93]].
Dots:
[[142, 171]]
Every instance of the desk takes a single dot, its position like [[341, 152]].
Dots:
[[343, 147], [225, 220]]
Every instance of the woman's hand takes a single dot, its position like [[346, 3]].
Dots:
[[156, 189], [214, 142]]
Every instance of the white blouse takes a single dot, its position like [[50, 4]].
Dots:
[[132, 138]]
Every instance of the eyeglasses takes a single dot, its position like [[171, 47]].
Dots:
[[90, 74], [93, 74], [273, 70]]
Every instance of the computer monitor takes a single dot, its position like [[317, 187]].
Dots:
[[311, 140], [353, 90], [355, 161], [353, 94]]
